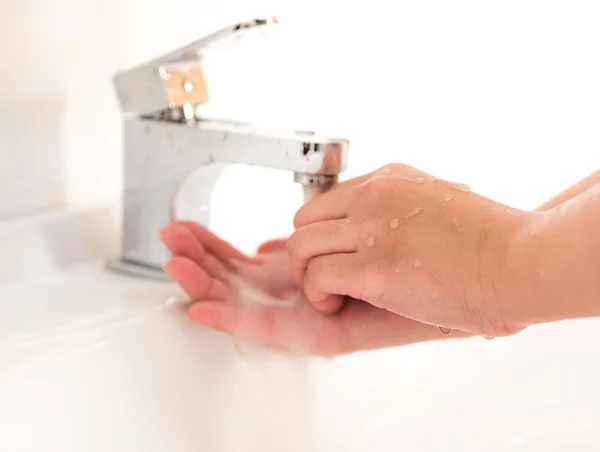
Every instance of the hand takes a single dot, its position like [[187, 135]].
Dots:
[[223, 283], [415, 245]]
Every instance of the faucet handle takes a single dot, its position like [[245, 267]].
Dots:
[[220, 39], [176, 78]]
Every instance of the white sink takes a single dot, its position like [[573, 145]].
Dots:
[[92, 361]]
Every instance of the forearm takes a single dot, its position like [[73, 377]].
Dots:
[[555, 262], [572, 191], [554, 277]]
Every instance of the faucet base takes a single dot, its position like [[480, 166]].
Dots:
[[123, 267]]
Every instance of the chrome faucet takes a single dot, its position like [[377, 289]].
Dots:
[[166, 143]]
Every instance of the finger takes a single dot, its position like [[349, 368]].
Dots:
[[181, 242], [277, 329], [313, 211], [195, 281], [217, 246], [331, 304], [367, 327], [332, 205], [333, 274], [273, 245], [250, 326], [215, 314], [354, 181], [316, 239]]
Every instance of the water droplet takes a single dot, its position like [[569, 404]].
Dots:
[[489, 338], [448, 198], [444, 331], [416, 180], [385, 171], [415, 212], [371, 241], [417, 263], [394, 223], [459, 187], [455, 222]]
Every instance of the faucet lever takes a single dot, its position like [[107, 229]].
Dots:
[[176, 79]]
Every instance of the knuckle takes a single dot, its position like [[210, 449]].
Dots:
[[392, 167], [364, 189], [373, 188], [298, 217], [297, 244]]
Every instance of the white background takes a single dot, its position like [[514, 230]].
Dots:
[[502, 95]]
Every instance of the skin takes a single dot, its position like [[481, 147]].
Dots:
[[466, 263], [390, 239], [207, 268], [556, 260], [571, 192]]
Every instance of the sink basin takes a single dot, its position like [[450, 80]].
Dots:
[[95, 361]]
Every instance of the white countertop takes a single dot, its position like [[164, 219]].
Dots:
[[94, 361]]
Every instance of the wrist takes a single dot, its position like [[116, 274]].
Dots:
[[552, 263], [501, 278], [523, 275]]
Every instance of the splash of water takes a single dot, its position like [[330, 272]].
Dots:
[[271, 406]]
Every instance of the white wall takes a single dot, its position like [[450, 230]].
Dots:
[[502, 95]]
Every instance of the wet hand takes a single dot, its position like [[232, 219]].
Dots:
[[402, 240], [255, 299]]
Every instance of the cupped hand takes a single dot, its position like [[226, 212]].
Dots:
[[402, 240], [255, 299]]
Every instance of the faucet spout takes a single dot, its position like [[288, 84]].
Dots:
[[162, 155], [299, 152]]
